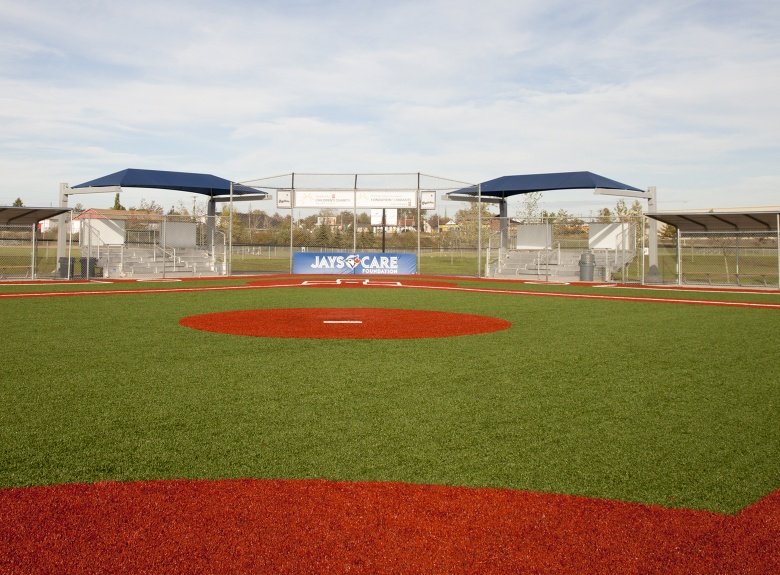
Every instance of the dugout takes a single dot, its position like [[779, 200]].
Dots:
[[20, 257], [721, 247]]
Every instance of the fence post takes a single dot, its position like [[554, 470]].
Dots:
[[679, 258], [642, 253], [165, 243], [479, 230]]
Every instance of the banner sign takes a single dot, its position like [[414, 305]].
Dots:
[[391, 217], [321, 199], [387, 199], [284, 199], [340, 199], [428, 200], [355, 263]]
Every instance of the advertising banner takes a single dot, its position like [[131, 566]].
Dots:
[[391, 217], [354, 263], [341, 199], [427, 200], [284, 199]]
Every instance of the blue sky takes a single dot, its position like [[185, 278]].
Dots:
[[680, 95]]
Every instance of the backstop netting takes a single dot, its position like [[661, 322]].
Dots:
[[367, 212]]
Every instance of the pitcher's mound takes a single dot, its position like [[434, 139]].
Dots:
[[345, 323]]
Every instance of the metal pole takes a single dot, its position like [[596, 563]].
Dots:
[[34, 249], [384, 221], [354, 215], [85, 273], [419, 224], [679, 258], [642, 244], [211, 222], [479, 230], [652, 206], [70, 250], [229, 263], [165, 242], [292, 214], [62, 237], [623, 227], [548, 246]]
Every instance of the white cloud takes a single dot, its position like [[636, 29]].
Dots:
[[676, 94]]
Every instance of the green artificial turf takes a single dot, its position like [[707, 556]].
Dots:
[[657, 403]]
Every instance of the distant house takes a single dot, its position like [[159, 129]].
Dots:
[[330, 222], [404, 225]]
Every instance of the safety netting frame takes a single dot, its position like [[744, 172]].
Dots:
[[361, 184]]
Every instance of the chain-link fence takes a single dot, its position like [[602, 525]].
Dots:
[[25, 253], [749, 259], [263, 243], [141, 244], [115, 244], [566, 249], [107, 244]]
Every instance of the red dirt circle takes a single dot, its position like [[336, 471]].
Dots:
[[345, 323]]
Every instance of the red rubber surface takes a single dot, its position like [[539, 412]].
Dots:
[[300, 526], [345, 323]]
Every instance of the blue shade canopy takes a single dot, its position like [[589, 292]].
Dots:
[[507, 186], [205, 184]]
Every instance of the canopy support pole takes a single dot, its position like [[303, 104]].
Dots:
[[479, 230], [62, 221], [503, 215], [211, 216], [652, 244]]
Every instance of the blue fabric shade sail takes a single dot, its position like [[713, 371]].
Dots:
[[507, 186], [205, 184]]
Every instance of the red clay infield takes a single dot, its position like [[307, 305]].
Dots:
[[316, 526], [345, 323], [353, 282]]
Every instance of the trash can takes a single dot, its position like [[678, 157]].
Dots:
[[587, 266], [62, 268], [82, 273]]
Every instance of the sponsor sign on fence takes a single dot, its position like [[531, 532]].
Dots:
[[354, 263]]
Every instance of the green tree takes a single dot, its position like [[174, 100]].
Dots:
[[625, 213], [668, 232], [117, 205], [281, 227], [346, 220], [367, 239], [240, 234], [322, 235], [18, 203], [529, 210], [468, 223], [309, 222], [149, 206], [435, 221]]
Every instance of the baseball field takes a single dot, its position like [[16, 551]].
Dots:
[[290, 424]]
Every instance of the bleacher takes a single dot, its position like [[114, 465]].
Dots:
[[557, 265], [136, 262]]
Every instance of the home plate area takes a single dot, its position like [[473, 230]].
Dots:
[[345, 323], [353, 283]]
